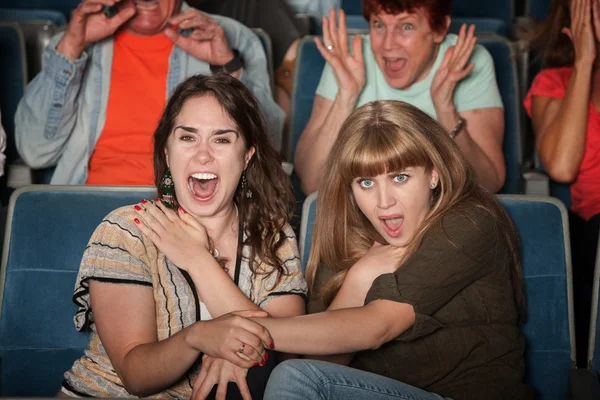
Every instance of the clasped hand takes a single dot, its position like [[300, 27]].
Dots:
[[178, 235], [224, 360]]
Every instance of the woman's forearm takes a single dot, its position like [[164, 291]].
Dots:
[[216, 288], [152, 367], [561, 144], [342, 331]]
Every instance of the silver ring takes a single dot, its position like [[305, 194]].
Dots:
[[241, 349], [329, 47]]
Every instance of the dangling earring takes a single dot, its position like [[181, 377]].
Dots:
[[167, 190], [245, 188]]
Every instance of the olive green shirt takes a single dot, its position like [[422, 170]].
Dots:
[[466, 342]]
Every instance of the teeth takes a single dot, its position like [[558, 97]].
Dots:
[[204, 176], [146, 5]]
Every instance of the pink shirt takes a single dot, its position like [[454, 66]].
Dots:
[[585, 190]]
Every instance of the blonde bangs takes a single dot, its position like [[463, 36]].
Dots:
[[380, 148]]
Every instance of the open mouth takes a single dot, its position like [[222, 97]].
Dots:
[[394, 65], [203, 185], [392, 225], [146, 5]]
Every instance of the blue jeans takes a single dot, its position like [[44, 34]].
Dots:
[[311, 379]]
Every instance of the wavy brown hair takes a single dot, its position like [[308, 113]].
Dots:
[[265, 214], [437, 11], [386, 136], [554, 47]]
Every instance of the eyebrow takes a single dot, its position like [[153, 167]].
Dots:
[[217, 132], [404, 18]]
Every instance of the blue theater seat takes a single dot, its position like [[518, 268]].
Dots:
[[14, 14], [537, 9], [65, 7], [13, 78], [48, 228], [590, 377], [542, 223]]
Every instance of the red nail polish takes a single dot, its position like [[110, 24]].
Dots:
[[156, 200], [266, 357], [262, 364], [144, 201], [137, 221], [272, 346], [182, 210], [255, 364], [137, 208]]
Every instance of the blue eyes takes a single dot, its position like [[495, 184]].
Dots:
[[404, 27], [400, 178], [367, 183]]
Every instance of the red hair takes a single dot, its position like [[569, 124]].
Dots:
[[435, 10]]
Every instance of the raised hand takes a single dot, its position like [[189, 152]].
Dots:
[[581, 31], [349, 69], [233, 337], [207, 41], [596, 19], [454, 68], [178, 235], [88, 25], [216, 371]]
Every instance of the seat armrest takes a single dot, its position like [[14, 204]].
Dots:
[[536, 183], [584, 384]]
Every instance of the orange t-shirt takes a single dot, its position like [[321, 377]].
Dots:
[[137, 97]]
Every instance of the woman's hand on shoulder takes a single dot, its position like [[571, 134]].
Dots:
[[178, 235], [233, 337], [216, 371], [378, 260]]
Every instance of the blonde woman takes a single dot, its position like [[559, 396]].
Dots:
[[416, 284]]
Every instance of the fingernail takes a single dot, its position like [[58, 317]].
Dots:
[[255, 364], [272, 346], [137, 221], [137, 208], [266, 357], [144, 201], [157, 199], [181, 210], [262, 364]]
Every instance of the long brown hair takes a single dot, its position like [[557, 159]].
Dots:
[[387, 136], [265, 214], [555, 48]]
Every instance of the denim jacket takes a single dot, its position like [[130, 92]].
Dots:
[[62, 113]]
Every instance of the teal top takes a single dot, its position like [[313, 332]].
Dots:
[[478, 90]]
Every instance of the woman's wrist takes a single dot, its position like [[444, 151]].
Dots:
[[192, 334], [201, 259], [584, 64]]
